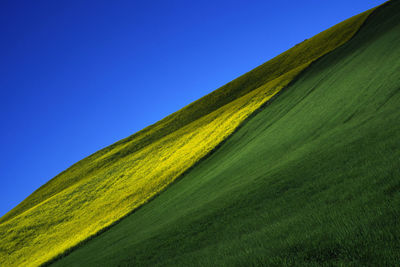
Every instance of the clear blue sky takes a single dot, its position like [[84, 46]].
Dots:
[[76, 76]]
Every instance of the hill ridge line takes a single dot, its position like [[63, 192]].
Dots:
[[272, 95], [254, 113]]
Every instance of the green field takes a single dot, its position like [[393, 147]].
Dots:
[[312, 179], [95, 193]]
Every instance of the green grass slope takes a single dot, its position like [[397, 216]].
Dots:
[[312, 179], [107, 186], [297, 57]]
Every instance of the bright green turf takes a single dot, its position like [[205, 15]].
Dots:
[[313, 179]]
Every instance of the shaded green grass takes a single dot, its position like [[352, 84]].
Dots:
[[313, 179]]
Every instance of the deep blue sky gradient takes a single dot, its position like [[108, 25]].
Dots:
[[76, 76]]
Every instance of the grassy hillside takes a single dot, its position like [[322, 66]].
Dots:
[[296, 58], [313, 179], [105, 187]]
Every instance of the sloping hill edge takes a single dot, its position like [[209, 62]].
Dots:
[[238, 91], [264, 105]]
